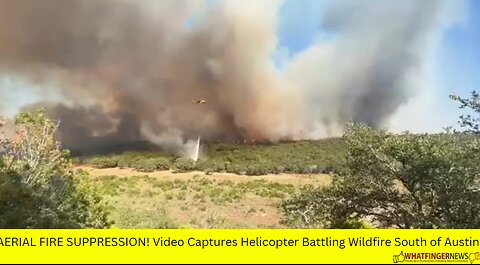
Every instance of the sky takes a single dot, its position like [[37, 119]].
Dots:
[[458, 58], [455, 67]]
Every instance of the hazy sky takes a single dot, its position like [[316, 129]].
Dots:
[[455, 64], [454, 67]]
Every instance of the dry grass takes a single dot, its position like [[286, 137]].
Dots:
[[193, 199]]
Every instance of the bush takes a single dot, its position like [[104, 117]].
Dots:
[[184, 165], [155, 218], [145, 165], [256, 170], [104, 162], [280, 169], [126, 162], [37, 186], [236, 169], [353, 224], [162, 163]]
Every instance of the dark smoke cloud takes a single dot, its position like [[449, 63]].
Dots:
[[128, 70]]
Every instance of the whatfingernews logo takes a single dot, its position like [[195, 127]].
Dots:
[[442, 257]]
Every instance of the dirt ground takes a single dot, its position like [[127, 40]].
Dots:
[[295, 179]]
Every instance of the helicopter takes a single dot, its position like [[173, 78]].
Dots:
[[200, 101]]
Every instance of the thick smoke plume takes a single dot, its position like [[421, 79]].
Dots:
[[126, 70]]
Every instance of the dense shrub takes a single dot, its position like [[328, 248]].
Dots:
[[145, 165], [309, 157], [184, 165], [162, 163], [126, 162], [256, 170], [104, 162], [152, 164], [236, 169]]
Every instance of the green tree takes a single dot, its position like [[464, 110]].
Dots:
[[472, 123], [38, 188], [404, 181]]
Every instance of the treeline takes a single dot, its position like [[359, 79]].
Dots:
[[302, 157]]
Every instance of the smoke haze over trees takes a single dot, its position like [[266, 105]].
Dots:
[[124, 71]]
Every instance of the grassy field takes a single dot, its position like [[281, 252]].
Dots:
[[163, 199]]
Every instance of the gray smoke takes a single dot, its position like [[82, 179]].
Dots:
[[125, 70]]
